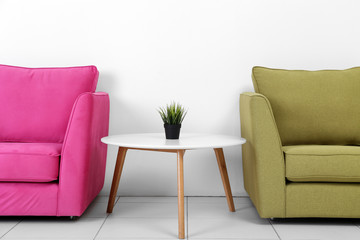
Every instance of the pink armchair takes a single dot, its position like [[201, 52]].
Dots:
[[52, 161]]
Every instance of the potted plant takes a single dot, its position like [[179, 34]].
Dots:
[[172, 116]]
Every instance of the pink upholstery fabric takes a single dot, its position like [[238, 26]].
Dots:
[[45, 112], [29, 162], [36, 102], [83, 158], [28, 199]]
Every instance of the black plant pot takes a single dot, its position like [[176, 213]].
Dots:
[[172, 131]]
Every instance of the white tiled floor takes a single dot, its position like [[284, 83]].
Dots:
[[156, 218]]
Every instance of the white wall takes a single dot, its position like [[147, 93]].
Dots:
[[197, 52]]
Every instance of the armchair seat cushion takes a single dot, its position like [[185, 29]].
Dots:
[[322, 163], [29, 162]]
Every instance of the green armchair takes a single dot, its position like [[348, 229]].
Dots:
[[302, 155]]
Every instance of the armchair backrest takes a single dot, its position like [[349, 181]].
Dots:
[[35, 103], [313, 107]]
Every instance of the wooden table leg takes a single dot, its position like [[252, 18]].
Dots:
[[225, 178], [116, 178], [180, 180]]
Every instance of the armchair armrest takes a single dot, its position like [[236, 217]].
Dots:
[[83, 157], [262, 156]]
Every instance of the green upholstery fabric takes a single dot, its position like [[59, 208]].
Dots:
[[313, 107], [313, 113], [322, 163], [330, 200], [263, 160]]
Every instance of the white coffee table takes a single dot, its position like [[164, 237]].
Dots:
[[157, 142]]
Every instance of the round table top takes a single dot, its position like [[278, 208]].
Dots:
[[186, 141]]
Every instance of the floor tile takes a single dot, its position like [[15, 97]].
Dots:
[[243, 210], [156, 218], [7, 223], [237, 238], [141, 228], [148, 199], [237, 200], [145, 210], [238, 228], [327, 229], [103, 199], [96, 210], [211, 218], [55, 228], [72, 238]]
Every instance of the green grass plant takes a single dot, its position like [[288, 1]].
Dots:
[[172, 114]]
